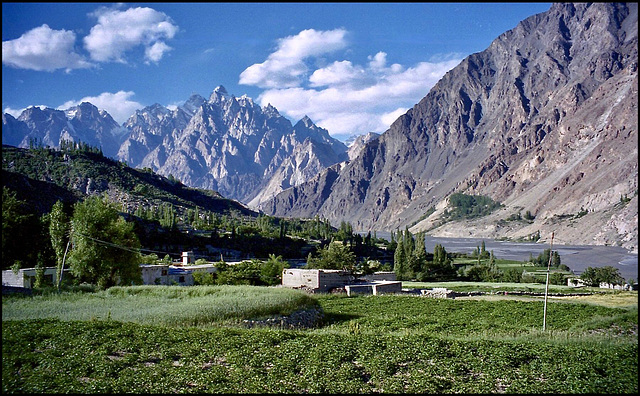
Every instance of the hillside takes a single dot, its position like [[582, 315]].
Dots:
[[43, 176], [544, 120]]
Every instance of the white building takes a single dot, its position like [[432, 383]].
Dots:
[[324, 280], [26, 277]]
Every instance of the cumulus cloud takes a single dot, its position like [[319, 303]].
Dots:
[[119, 105], [346, 98], [286, 67], [43, 49], [118, 32]]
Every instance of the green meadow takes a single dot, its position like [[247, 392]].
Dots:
[[190, 340]]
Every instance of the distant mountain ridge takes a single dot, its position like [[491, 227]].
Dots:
[[544, 120], [223, 143]]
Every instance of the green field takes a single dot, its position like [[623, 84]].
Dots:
[[365, 344]]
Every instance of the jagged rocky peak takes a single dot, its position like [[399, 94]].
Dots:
[[306, 121], [306, 129], [219, 93], [270, 111], [34, 112], [357, 143], [84, 111], [87, 115], [158, 110], [192, 105]]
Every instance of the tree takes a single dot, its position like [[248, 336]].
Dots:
[[419, 258], [593, 276], [400, 261], [59, 232], [105, 248], [333, 256], [203, 278], [24, 234], [556, 278], [441, 267], [271, 270], [512, 275]]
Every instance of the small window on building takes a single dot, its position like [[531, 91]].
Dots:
[[164, 272], [181, 279]]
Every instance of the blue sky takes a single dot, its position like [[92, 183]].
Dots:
[[351, 67]]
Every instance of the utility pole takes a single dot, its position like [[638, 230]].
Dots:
[[63, 260], [546, 289]]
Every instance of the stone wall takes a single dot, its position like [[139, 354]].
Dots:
[[305, 318], [438, 292]]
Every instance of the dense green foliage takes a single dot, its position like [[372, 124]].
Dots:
[[593, 276], [22, 231], [105, 248], [464, 206], [412, 261], [383, 344], [333, 256]]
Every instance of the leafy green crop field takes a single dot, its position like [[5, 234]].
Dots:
[[366, 344]]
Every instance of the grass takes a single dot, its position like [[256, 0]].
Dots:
[[367, 344], [502, 286], [161, 305]]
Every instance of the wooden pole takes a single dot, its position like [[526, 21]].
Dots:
[[546, 289], [63, 260]]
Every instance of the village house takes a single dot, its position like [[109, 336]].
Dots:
[[324, 281], [26, 277], [180, 273]]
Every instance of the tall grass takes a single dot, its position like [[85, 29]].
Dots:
[[161, 305]]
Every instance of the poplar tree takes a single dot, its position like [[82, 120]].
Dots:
[[59, 232], [419, 258], [399, 260]]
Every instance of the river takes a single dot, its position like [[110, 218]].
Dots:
[[576, 257]]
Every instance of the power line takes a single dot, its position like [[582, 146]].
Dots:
[[140, 250], [111, 244]]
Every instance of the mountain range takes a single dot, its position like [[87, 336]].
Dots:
[[228, 144], [543, 121]]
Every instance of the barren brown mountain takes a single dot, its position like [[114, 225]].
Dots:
[[545, 120]]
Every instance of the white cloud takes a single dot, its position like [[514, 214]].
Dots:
[[338, 73], [285, 67], [15, 113], [345, 105], [118, 104], [156, 52], [43, 49], [120, 31], [343, 97], [390, 117]]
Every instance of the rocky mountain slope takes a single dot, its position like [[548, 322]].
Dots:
[[544, 120], [49, 127]]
